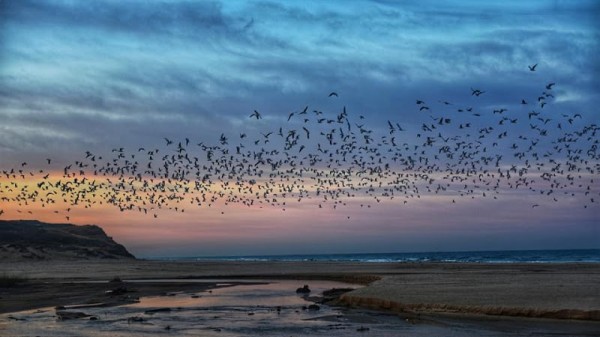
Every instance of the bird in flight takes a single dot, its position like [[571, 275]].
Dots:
[[335, 163], [532, 68], [256, 114], [223, 139], [333, 94], [476, 92], [307, 132]]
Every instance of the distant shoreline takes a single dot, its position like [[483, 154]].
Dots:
[[493, 256]]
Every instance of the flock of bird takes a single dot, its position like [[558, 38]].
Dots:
[[332, 159]]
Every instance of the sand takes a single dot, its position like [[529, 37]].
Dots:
[[564, 291], [550, 291]]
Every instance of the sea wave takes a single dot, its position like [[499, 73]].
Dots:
[[522, 256]]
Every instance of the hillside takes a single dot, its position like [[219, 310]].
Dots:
[[30, 239]]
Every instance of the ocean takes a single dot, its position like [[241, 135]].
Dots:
[[505, 256]]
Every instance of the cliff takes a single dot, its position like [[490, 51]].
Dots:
[[30, 239]]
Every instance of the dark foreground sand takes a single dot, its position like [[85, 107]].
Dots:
[[562, 291]]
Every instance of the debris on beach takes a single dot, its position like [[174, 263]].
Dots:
[[303, 290]]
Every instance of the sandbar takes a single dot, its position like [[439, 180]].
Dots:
[[548, 290]]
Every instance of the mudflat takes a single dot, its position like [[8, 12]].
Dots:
[[565, 291]]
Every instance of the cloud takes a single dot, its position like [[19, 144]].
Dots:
[[135, 61], [140, 17], [93, 75]]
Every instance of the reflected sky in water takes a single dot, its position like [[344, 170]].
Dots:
[[252, 310]]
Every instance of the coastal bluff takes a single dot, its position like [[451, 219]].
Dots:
[[35, 240]]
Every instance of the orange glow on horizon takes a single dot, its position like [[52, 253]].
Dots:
[[171, 212]]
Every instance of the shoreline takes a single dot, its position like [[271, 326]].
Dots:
[[567, 291]]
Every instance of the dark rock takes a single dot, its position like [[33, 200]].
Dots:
[[314, 307], [135, 319], [117, 291], [153, 311], [303, 290], [362, 329], [66, 315]]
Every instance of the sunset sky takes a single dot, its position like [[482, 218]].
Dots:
[[79, 76]]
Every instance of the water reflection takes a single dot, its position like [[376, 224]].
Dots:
[[271, 309], [275, 293], [235, 310]]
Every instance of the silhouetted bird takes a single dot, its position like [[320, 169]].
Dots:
[[256, 114], [337, 164]]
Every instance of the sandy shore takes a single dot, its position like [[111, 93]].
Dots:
[[566, 291]]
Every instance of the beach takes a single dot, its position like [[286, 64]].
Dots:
[[555, 297]]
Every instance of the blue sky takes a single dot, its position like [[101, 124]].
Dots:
[[82, 75]]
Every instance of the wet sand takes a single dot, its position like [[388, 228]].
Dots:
[[492, 295], [542, 287]]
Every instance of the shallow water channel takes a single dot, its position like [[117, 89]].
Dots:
[[270, 309]]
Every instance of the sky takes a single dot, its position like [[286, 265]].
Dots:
[[79, 76]]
